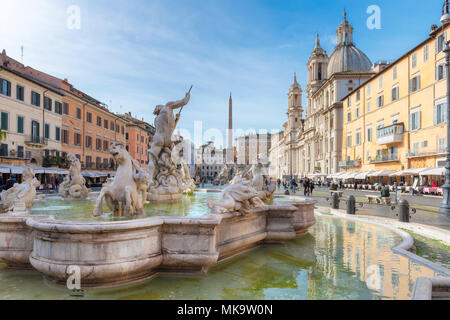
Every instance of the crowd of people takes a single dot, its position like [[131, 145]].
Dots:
[[293, 185]]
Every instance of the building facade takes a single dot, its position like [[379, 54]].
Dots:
[[249, 147], [209, 160], [397, 119]]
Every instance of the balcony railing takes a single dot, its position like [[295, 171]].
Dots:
[[350, 164], [385, 158], [440, 150], [35, 140], [390, 134]]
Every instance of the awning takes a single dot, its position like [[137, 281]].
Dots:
[[363, 175], [409, 172], [381, 173], [433, 172]]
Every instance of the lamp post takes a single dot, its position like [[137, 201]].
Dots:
[[445, 205]]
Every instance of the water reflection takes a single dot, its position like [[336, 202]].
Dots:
[[338, 259]]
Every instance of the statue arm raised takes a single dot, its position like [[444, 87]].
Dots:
[[180, 103]]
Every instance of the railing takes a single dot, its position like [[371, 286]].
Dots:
[[36, 140], [425, 153], [385, 158], [350, 164]]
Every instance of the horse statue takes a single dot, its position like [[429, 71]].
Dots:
[[74, 185], [20, 193], [122, 194]]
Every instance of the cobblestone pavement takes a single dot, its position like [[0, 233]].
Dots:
[[427, 206]]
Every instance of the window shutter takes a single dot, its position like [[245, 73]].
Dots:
[[436, 45], [418, 82], [435, 115], [418, 120], [8, 88]]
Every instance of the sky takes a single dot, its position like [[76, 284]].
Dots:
[[136, 54]]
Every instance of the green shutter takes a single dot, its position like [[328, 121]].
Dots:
[[19, 124], [47, 131], [4, 121], [58, 134]]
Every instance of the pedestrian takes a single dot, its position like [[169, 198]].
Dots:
[[278, 183], [311, 187]]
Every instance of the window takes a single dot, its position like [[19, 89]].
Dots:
[[394, 73], [368, 105], [349, 116], [89, 117], [357, 112], [380, 101], [111, 126], [358, 138], [65, 108], [47, 131], [99, 121], [20, 124], [394, 119], [65, 136], [105, 145], [368, 88], [424, 144], [78, 113], [415, 120], [105, 123], [4, 150], [416, 148], [442, 145], [441, 72], [88, 161], [440, 42], [380, 82], [426, 53], [127, 136], [123, 130], [349, 101], [57, 133], [47, 103], [98, 144], [414, 84], [440, 113], [369, 134], [4, 121], [414, 60], [20, 151], [77, 139], [5, 87], [35, 99], [349, 140], [58, 107], [358, 95], [88, 142], [20, 93], [395, 93]]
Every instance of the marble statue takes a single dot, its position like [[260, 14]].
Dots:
[[165, 180], [74, 185], [226, 174], [20, 193], [122, 194], [242, 174], [236, 197]]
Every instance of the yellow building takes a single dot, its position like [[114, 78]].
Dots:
[[396, 119]]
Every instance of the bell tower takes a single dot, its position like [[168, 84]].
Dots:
[[317, 71], [295, 109]]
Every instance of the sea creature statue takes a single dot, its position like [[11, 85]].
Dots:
[[20, 193], [74, 185], [226, 174], [242, 173], [236, 197], [122, 194], [258, 172], [165, 180], [187, 181]]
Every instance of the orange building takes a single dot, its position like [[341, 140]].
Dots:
[[139, 135]]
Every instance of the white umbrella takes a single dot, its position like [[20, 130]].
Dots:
[[433, 172], [381, 173], [410, 172]]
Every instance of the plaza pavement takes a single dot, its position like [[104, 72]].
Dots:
[[427, 206]]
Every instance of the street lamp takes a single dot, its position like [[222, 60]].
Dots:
[[445, 205]]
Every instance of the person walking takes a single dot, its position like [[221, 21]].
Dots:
[[278, 183]]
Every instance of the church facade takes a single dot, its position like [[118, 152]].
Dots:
[[313, 145]]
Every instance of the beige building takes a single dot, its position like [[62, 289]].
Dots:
[[33, 127], [249, 147]]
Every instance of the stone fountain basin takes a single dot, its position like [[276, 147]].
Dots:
[[120, 252]]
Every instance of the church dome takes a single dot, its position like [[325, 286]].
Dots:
[[346, 57]]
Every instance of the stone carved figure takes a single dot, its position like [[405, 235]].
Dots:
[[122, 194], [20, 193], [226, 174], [74, 185], [242, 174], [236, 197], [165, 180]]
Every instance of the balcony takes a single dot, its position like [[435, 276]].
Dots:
[[349, 164], [429, 152], [36, 141], [390, 134], [385, 158]]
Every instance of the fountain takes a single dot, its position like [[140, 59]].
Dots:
[[20, 193], [74, 185]]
